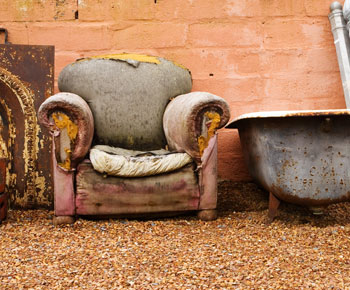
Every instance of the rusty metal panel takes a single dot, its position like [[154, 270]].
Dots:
[[26, 80], [3, 162], [3, 206], [3, 194]]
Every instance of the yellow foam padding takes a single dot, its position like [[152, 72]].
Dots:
[[132, 56], [67, 163], [215, 122], [62, 121]]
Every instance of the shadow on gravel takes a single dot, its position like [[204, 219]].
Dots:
[[240, 196], [249, 197]]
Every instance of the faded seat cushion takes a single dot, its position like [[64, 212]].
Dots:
[[97, 195], [127, 95], [129, 163]]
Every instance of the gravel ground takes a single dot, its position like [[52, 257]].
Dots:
[[237, 251]]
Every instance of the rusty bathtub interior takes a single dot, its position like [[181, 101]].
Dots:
[[301, 157]]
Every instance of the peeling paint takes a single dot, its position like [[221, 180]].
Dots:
[[3, 145], [23, 5], [25, 99], [81, 3], [40, 185], [10, 177], [26, 144]]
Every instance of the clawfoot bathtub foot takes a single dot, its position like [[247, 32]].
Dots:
[[274, 203]]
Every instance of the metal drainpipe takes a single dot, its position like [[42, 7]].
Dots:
[[342, 43]]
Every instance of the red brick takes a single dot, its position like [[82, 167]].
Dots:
[[323, 59], [190, 10], [284, 33], [325, 102], [282, 8], [231, 162], [238, 34], [63, 58], [7, 12], [232, 167], [102, 10], [150, 35], [220, 9], [247, 8], [237, 92], [17, 32], [55, 89], [135, 9], [229, 141], [70, 36], [297, 61], [221, 63], [303, 92], [96, 10], [319, 7], [38, 10]]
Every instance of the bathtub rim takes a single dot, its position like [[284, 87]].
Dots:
[[292, 113]]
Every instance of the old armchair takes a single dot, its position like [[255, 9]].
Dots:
[[130, 139]]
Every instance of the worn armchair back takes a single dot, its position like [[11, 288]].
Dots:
[[127, 97], [140, 103]]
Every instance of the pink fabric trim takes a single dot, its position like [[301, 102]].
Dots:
[[63, 188], [208, 176]]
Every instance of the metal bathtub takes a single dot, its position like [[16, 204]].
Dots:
[[301, 157]]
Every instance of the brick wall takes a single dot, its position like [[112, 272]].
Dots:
[[258, 54]]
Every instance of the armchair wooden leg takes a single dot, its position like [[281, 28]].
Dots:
[[207, 214], [61, 220]]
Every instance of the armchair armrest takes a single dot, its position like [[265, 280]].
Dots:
[[70, 121], [191, 120]]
